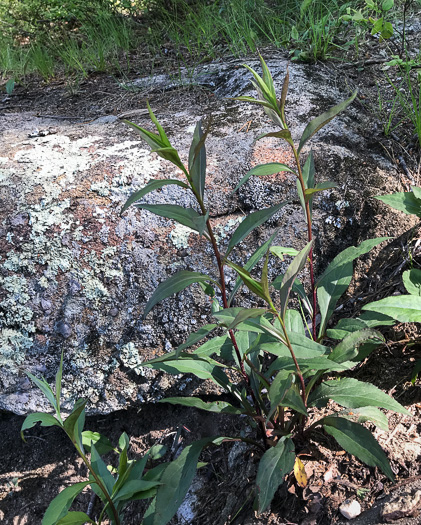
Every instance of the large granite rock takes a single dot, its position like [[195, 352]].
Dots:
[[75, 276]]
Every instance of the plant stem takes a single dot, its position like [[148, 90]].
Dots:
[[99, 483], [310, 238]]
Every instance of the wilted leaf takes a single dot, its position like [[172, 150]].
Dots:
[[300, 473]]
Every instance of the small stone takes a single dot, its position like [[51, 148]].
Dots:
[[114, 312], [402, 506], [350, 509], [63, 329]]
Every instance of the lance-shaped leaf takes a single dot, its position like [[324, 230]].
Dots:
[[278, 390], [412, 281], [219, 407], [61, 503], [174, 284], [271, 168], [282, 134], [195, 337], [374, 319], [315, 363], [251, 222], [75, 518], [251, 263], [132, 489], [101, 442], [359, 442], [403, 308], [176, 480], [284, 92], [45, 389], [308, 178], [345, 327], [303, 347], [186, 216], [406, 202], [280, 251], [416, 371], [197, 159], [319, 187], [252, 100], [252, 284], [323, 119], [152, 185], [46, 420], [59, 376], [199, 366], [347, 349], [294, 322], [337, 277], [244, 314], [352, 393], [294, 268], [217, 345], [364, 414], [275, 464]]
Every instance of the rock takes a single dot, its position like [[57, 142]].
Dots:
[[404, 505], [96, 269], [350, 509]]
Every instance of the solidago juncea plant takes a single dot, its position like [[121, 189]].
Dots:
[[279, 356]]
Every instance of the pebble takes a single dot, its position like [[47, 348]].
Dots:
[[350, 509]]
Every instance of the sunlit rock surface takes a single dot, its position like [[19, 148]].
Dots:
[[75, 275]]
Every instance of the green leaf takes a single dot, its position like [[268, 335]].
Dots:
[[59, 376], [251, 283], [251, 263], [352, 393], [220, 407], [201, 368], [195, 337], [218, 345], [60, 505], [303, 347], [364, 414], [253, 101], [336, 278], [412, 281], [152, 185], [100, 469], [294, 268], [134, 488], [275, 464], [319, 187], [172, 285], [197, 159], [320, 121], [359, 442], [294, 322], [403, 308], [374, 319], [278, 390], [46, 420], [308, 178], [280, 251], [347, 349], [73, 424], [314, 363], [406, 202], [45, 389], [282, 134], [416, 371], [75, 518], [294, 401], [157, 452], [251, 222], [186, 216], [387, 5], [271, 168], [244, 314], [176, 480], [417, 191], [102, 443], [345, 327]]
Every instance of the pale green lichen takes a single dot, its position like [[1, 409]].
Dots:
[[130, 358], [180, 236]]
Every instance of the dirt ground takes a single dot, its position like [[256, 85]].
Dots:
[[32, 473]]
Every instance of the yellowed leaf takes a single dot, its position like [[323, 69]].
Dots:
[[300, 473]]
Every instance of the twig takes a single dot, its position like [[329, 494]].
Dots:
[[59, 117]]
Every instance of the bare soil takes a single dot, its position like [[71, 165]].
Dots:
[[32, 473]]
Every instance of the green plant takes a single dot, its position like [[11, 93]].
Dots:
[[277, 357], [10, 86], [115, 486], [378, 23]]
